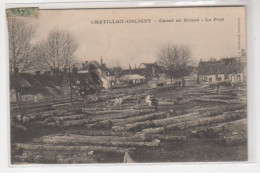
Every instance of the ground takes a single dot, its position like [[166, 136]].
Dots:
[[172, 101]]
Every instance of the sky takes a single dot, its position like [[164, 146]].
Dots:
[[136, 43]]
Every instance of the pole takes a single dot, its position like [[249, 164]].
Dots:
[[70, 87]]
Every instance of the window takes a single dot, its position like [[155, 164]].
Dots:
[[238, 78], [210, 79]]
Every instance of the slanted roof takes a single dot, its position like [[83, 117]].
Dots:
[[156, 67], [33, 84], [132, 77], [138, 71], [220, 67]]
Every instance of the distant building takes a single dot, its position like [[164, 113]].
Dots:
[[34, 87], [132, 79], [89, 77], [98, 74], [228, 69]]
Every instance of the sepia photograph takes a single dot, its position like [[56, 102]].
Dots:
[[127, 85]]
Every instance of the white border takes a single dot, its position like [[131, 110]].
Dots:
[[253, 87]]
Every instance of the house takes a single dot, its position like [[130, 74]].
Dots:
[[99, 72], [132, 79], [228, 69], [152, 71], [89, 76], [32, 87], [192, 78]]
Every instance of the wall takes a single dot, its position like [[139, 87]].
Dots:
[[206, 78], [239, 77]]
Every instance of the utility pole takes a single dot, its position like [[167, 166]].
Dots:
[[70, 78]]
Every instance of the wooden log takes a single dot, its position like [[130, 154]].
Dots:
[[138, 118], [235, 140], [19, 127], [156, 130], [76, 160], [106, 112], [225, 117], [118, 122], [39, 147], [168, 138], [54, 138], [175, 119], [64, 118], [239, 126], [134, 126], [227, 128], [100, 133], [53, 157], [120, 116], [67, 140], [79, 122], [212, 100], [161, 122]]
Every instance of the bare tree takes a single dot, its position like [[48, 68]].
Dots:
[[57, 52], [20, 47], [175, 59]]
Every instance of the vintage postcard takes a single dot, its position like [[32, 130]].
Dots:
[[127, 85]]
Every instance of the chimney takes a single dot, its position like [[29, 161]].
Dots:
[[101, 61], [130, 69], [135, 66]]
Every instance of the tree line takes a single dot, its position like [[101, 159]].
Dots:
[[57, 51]]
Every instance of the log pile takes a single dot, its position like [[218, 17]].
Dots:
[[105, 128]]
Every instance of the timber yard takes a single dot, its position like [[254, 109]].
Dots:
[[189, 124]]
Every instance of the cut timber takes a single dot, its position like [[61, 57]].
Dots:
[[67, 140], [76, 160], [119, 116], [161, 122], [81, 138], [156, 130], [106, 112], [212, 100], [168, 138], [235, 140], [237, 126], [134, 126], [38, 147], [54, 157], [100, 133], [175, 119], [106, 124], [19, 127], [225, 117], [118, 122], [138, 118], [79, 122], [63, 118], [230, 127]]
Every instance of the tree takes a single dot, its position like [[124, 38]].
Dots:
[[20, 47], [57, 52], [175, 59]]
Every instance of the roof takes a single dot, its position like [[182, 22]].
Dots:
[[132, 77], [33, 84], [138, 71], [221, 67], [156, 67], [93, 65]]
